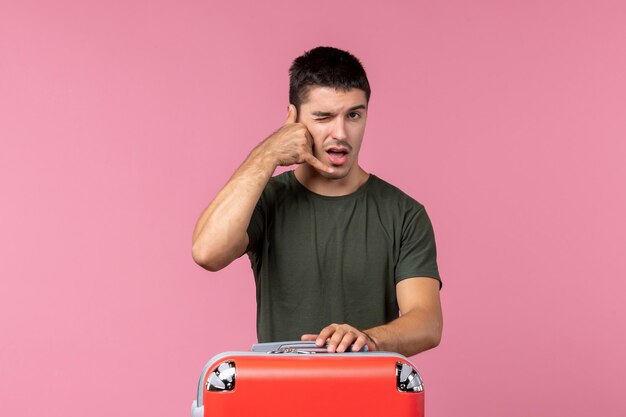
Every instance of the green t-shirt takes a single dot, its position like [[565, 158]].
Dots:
[[319, 260]]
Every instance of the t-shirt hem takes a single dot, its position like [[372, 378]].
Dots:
[[420, 274]]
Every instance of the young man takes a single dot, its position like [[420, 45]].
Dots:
[[336, 252]]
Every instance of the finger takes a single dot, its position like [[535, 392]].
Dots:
[[292, 115], [359, 343], [325, 334], [336, 339], [370, 342], [371, 346], [308, 337], [347, 340], [316, 163]]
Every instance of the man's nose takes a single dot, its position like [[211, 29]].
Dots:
[[339, 129]]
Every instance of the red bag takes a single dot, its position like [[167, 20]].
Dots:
[[299, 379]]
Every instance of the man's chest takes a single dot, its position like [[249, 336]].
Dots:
[[350, 240]]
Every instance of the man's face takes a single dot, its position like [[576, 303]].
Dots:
[[336, 120]]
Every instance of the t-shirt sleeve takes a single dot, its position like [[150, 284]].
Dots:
[[418, 252], [255, 228]]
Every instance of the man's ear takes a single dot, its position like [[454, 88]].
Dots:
[[297, 113], [292, 114]]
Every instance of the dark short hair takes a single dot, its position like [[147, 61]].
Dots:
[[325, 66]]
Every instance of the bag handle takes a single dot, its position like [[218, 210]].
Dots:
[[296, 346]]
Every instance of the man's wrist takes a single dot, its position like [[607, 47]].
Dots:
[[262, 158]]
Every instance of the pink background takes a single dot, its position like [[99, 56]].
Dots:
[[120, 121]]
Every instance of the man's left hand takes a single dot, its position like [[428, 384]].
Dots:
[[340, 336]]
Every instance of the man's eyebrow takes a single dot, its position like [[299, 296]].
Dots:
[[325, 114]]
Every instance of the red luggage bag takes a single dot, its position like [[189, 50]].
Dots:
[[299, 379]]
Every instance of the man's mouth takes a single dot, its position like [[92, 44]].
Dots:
[[337, 156]]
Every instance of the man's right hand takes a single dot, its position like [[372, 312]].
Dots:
[[293, 144]]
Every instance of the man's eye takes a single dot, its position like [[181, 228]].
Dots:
[[322, 118], [357, 115]]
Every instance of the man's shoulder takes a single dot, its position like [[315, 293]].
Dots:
[[388, 192], [279, 185], [282, 178]]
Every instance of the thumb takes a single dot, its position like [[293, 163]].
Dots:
[[292, 115]]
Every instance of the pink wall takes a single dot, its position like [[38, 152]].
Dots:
[[120, 120]]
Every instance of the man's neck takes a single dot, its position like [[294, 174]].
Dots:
[[310, 178]]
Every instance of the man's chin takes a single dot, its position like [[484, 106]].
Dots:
[[339, 173]]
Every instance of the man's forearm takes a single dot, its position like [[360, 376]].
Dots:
[[414, 332], [220, 232]]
